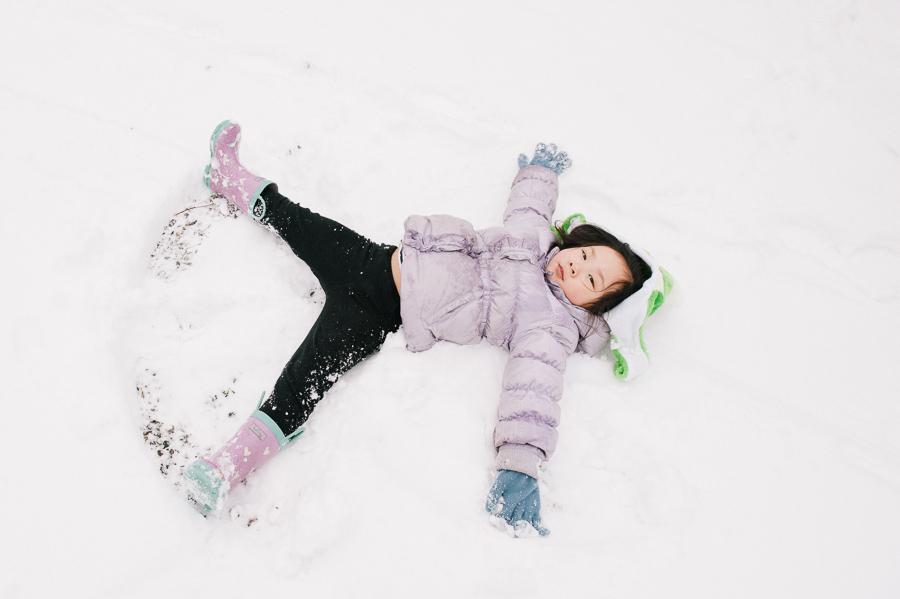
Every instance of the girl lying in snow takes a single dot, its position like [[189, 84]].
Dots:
[[535, 290]]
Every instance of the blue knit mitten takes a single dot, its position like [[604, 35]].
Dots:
[[515, 498], [546, 156]]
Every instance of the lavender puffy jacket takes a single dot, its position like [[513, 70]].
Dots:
[[460, 285]]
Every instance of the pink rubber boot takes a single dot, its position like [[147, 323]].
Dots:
[[225, 175], [208, 481]]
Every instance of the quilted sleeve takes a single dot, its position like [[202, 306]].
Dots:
[[532, 201], [529, 400]]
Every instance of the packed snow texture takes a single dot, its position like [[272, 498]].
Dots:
[[753, 148]]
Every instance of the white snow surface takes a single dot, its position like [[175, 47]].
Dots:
[[752, 147]]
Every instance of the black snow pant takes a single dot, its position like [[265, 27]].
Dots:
[[361, 306]]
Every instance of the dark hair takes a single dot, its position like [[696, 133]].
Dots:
[[588, 235]]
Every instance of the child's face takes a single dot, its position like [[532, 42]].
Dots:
[[584, 274]]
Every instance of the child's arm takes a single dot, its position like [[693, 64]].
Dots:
[[528, 415], [532, 199], [532, 382], [529, 401]]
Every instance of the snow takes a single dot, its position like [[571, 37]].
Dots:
[[753, 148]]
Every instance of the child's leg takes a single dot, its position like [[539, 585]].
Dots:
[[336, 254], [353, 324], [349, 329]]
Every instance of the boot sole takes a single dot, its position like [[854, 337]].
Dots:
[[205, 489]]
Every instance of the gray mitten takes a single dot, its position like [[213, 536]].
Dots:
[[547, 157]]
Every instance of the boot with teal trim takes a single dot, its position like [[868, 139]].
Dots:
[[208, 480], [225, 175]]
